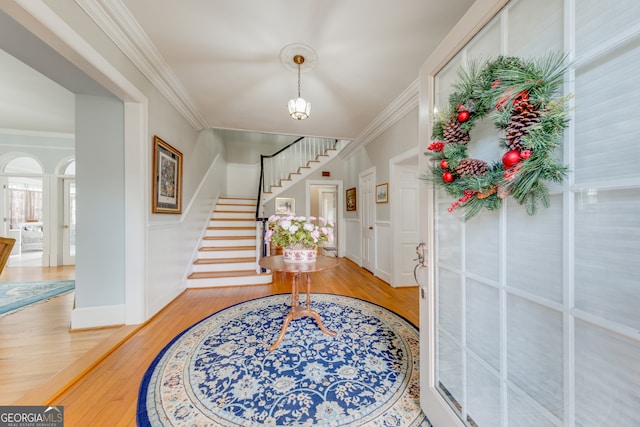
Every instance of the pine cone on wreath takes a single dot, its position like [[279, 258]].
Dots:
[[452, 132], [472, 167], [503, 191], [523, 115]]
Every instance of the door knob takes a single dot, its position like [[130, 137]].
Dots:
[[370, 228]]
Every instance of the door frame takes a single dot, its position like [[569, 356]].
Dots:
[[339, 208], [67, 258], [371, 172]]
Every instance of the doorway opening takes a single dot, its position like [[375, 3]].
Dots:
[[323, 203]]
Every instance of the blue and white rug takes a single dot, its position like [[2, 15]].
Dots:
[[16, 295], [219, 372]]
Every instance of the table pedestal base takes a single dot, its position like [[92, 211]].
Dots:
[[298, 311]]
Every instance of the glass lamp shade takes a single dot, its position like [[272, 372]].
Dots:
[[299, 108]]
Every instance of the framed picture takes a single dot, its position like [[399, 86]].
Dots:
[[382, 193], [167, 178], [351, 199], [285, 206]]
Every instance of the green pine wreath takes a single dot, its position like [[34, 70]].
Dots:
[[521, 98]]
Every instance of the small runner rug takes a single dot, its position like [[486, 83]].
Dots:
[[220, 372], [17, 295]]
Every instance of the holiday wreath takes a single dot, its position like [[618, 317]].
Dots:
[[521, 98]]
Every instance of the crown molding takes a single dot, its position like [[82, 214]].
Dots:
[[120, 26], [40, 134], [403, 104]]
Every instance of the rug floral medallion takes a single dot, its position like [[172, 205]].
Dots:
[[220, 371]]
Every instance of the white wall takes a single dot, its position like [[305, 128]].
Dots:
[[100, 202], [400, 137], [243, 179], [173, 243]]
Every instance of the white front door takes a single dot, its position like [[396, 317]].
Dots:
[[368, 207]]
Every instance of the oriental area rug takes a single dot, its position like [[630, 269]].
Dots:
[[17, 295], [220, 372]]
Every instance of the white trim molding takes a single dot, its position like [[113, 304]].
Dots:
[[97, 317]]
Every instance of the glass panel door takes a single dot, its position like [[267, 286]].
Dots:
[[69, 227], [534, 320]]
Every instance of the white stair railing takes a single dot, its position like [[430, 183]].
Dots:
[[289, 160]]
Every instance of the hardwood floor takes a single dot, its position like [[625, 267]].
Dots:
[[107, 393], [38, 353]]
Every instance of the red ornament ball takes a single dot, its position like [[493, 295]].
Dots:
[[511, 158], [444, 164], [447, 177], [463, 116]]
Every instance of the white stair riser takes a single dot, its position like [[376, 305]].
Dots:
[[242, 208], [224, 201], [238, 215], [249, 241], [226, 254], [238, 223], [229, 281], [222, 233], [231, 266]]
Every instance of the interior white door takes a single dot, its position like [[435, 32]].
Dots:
[[69, 228], [368, 208], [405, 224]]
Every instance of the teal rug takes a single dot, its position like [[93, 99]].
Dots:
[[17, 295]]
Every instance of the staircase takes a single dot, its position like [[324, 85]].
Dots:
[[228, 255], [294, 162]]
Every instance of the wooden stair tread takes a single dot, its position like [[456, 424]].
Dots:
[[233, 219], [223, 274], [227, 248], [229, 237], [223, 260], [231, 228], [236, 204], [223, 211]]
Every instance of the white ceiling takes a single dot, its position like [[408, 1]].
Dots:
[[221, 58]]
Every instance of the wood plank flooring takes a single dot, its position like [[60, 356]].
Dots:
[[106, 395], [38, 353]]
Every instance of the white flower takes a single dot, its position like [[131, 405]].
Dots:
[[293, 229], [285, 224]]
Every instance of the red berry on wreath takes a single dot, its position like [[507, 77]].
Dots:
[[511, 158], [444, 164], [463, 116], [447, 177], [525, 154], [460, 107]]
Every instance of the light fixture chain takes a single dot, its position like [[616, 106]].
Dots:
[[298, 80]]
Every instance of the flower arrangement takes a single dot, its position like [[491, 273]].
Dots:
[[298, 231]]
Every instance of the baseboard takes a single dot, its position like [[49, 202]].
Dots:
[[97, 317]]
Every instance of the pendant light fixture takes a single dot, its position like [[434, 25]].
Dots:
[[299, 108]]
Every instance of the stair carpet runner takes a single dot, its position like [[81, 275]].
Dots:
[[228, 255]]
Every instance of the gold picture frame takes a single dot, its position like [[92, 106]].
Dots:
[[167, 178], [382, 193], [351, 199]]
